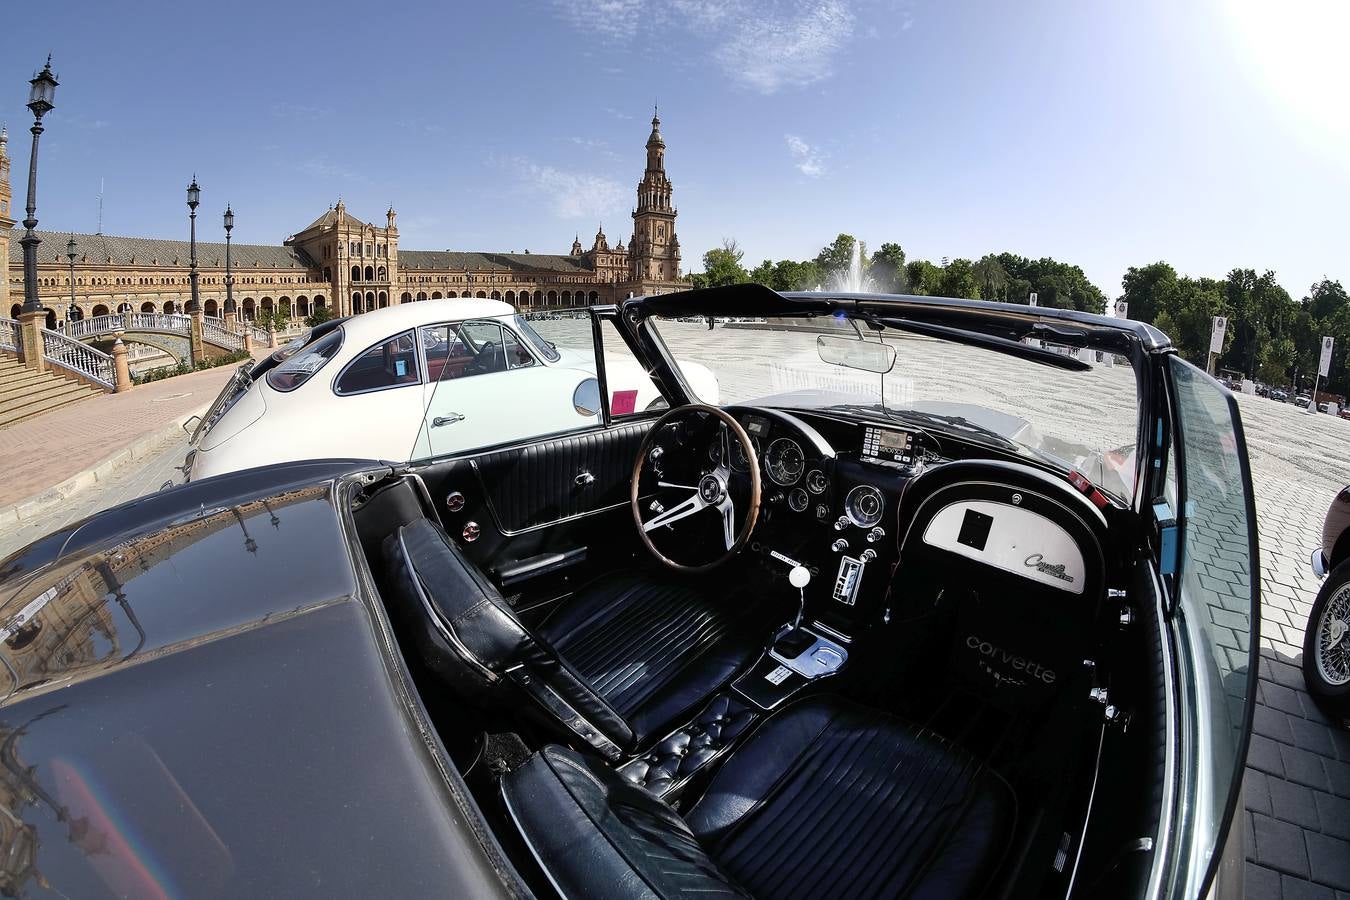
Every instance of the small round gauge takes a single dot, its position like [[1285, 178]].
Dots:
[[797, 500], [816, 482], [785, 462], [864, 505], [738, 460]]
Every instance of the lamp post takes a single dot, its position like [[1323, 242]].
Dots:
[[194, 306], [40, 96], [72, 315], [229, 276]]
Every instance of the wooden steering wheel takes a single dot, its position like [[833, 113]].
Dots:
[[696, 481]]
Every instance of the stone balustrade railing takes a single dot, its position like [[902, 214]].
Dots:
[[10, 336], [69, 353]]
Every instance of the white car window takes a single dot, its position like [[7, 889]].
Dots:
[[391, 363], [295, 371], [472, 348]]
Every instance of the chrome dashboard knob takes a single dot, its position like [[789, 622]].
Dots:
[[839, 546], [868, 555], [875, 534], [841, 523]]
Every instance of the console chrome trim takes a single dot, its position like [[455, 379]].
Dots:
[[811, 662]]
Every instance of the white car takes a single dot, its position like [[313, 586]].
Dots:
[[421, 380]]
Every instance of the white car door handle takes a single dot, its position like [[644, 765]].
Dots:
[[447, 420]]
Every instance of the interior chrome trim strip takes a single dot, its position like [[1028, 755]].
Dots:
[[1163, 843], [801, 663], [818, 626]]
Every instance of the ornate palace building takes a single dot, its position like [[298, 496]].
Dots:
[[343, 263]]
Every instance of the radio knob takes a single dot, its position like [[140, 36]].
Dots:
[[869, 554], [875, 535], [839, 546], [841, 523]]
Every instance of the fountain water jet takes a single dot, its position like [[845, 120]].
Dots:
[[852, 280]]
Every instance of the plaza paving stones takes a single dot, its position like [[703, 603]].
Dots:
[[1298, 776]]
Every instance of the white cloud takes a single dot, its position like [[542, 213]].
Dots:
[[796, 49], [810, 161], [764, 45], [571, 195]]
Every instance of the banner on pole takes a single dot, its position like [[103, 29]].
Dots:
[[1032, 298], [1216, 336], [1324, 364]]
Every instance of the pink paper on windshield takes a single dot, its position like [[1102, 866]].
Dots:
[[624, 402]]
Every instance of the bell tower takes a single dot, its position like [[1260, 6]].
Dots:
[[6, 221], [654, 253]]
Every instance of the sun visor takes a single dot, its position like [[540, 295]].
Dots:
[[733, 300]]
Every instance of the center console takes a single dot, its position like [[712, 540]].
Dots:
[[798, 657]]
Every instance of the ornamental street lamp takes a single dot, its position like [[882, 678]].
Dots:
[[40, 97], [229, 277], [194, 196], [73, 315]]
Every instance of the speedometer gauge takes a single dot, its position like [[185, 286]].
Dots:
[[785, 462], [816, 482]]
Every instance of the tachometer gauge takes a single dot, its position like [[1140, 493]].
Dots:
[[738, 461], [797, 500], [816, 482], [864, 505], [785, 462]]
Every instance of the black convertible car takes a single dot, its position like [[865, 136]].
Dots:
[[937, 598]]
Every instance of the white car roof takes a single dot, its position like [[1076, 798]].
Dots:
[[381, 323]]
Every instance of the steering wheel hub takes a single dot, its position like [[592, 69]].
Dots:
[[712, 489]]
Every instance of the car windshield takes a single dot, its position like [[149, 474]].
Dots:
[[1086, 421], [546, 348], [299, 368]]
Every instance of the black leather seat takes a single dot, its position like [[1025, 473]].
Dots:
[[621, 662], [825, 798]]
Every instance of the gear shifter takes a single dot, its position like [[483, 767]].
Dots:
[[793, 642]]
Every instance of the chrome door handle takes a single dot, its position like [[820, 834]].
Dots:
[[583, 478], [447, 420]]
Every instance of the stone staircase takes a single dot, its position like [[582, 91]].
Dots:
[[25, 393]]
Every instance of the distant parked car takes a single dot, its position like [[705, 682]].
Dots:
[[1345, 412], [1324, 408], [1280, 395], [1326, 641], [1302, 401], [359, 388]]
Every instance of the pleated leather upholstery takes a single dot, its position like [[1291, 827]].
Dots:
[[831, 799], [611, 839], [655, 651], [825, 799], [534, 485]]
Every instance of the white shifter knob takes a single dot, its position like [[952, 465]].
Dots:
[[799, 577]]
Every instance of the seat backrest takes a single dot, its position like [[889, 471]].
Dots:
[[472, 623]]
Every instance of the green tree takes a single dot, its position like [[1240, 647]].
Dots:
[[958, 280], [991, 277], [320, 315], [837, 256], [1147, 288], [923, 278], [722, 265], [763, 273], [887, 269]]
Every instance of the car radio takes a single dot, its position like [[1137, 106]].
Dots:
[[888, 447]]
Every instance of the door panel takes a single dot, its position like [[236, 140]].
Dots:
[[526, 503]]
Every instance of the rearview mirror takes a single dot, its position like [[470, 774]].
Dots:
[[856, 353]]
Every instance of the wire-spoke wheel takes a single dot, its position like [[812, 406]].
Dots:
[[1326, 645]]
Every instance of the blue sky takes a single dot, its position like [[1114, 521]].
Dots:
[[1211, 134]]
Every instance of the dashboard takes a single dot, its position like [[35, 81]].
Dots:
[[831, 493]]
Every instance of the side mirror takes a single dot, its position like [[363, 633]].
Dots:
[[856, 353], [191, 424], [586, 398]]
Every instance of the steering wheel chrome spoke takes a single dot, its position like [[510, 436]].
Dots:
[[728, 511], [690, 506]]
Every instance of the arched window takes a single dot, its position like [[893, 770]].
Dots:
[[552, 298], [566, 298], [209, 308], [15, 310], [510, 296], [384, 299], [168, 307], [51, 319], [284, 306], [406, 298], [384, 274], [370, 273], [538, 297], [481, 294], [496, 295], [268, 305], [435, 295], [356, 302], [327, 273], [370, 300], [302, 306], [595, 296], [100, 310], [319, 301], [147, 307], [356, 273]]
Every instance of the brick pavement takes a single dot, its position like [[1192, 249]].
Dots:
[[37, 453]]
